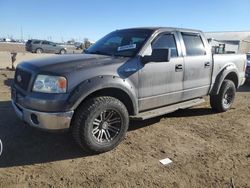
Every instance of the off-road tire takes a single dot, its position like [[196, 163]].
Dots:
[[217, 101], [83, 120]]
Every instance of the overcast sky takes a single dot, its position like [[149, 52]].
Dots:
[[65, 19]]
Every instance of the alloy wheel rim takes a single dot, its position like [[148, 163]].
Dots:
[[106, 126], [228, 98]]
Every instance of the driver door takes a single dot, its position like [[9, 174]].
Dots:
[[161, 83]]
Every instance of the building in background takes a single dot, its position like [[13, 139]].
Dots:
[[230, 42]]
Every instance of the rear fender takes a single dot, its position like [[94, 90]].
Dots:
[[229, 68]]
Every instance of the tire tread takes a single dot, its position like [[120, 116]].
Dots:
[[216, 100], [81, 116]]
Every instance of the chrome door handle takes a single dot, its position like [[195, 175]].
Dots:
[[178, 67], [207, 64]]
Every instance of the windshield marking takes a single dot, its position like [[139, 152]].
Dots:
[[126, 47]]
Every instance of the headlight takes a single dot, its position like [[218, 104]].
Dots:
[[50, 84]]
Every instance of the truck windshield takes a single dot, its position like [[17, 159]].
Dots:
[[248, 57], [125, 43]]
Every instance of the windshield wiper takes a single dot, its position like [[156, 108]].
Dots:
[[120, 55], [98, 52], [116, 54]]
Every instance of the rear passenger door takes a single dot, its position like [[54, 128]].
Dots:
[[198, 66], [53, 47]]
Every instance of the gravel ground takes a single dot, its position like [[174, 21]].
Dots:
[[207, 149]]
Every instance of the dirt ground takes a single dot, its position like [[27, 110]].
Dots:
[[13, 48], [207, 149]]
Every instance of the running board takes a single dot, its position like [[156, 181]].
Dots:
[[167, 109]]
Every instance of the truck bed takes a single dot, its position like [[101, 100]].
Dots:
[[221, 61]]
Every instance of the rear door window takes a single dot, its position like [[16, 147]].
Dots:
[[52, 43], [194, 45]]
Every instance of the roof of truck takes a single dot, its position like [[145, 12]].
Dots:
[[163, 28]]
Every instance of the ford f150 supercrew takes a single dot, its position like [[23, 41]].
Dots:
[[135, 73]]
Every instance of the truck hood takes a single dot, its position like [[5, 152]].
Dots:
[[62, 64]]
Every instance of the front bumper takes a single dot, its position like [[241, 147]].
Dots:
[[44, 120]]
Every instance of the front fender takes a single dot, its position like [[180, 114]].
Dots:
[[94, 84]]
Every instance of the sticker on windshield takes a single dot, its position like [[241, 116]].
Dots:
[[126, 47]]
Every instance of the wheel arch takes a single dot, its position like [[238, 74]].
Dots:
[[229, 73], [39, 48], [112, 86], [116, 93], [233, 77]]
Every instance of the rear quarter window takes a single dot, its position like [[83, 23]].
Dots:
[[37, 42], [194, 44]]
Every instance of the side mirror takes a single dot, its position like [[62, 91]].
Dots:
[[158, 55]]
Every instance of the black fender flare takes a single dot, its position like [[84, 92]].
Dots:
[[89, 86], [229, 69]]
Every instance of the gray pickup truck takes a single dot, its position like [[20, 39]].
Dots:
[[135, 73]]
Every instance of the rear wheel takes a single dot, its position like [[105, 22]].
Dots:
[[100, 124], [39, 51], [62, 51], [225, 98]]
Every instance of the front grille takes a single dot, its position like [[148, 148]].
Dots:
[[22, 78]]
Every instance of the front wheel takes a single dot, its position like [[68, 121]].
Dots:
[[100, 124], [225, 98]]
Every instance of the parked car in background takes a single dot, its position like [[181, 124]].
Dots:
[[78, 45], [248, 68], [6, 40], [44, 46], [86, 44]]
